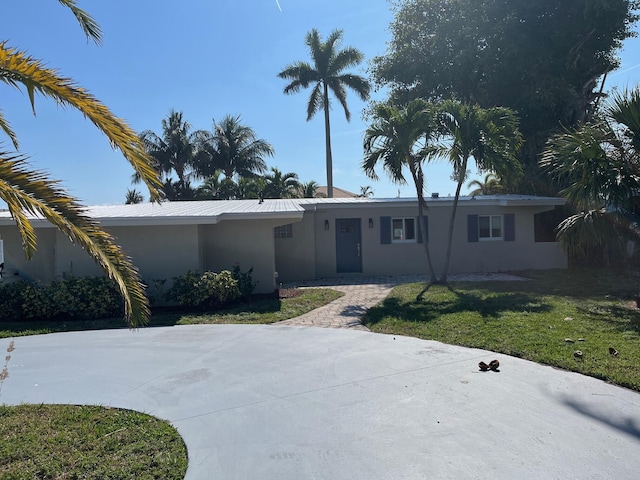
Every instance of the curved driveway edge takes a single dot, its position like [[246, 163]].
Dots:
[[286, 402]]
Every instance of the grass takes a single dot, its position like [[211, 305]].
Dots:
[[70, 441], [259, 310], [546, 319]]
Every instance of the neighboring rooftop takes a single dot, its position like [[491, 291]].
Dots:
[[337, 192]]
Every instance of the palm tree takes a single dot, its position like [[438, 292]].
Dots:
[[402, 137], [308, 190], [281, 185], [489, 136], [27, 192], [232, 148], [174, 150], [599, 163], [490, 186], [133, 196], [326, 75], [366, 192], [250, 187]]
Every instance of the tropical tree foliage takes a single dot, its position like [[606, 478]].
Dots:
[[27, 192], [488, 136], [490, 186], [600, 165], [174, 150], [543, 59], [232, 148], [308, 189], [281, 185], [250, 187], [366, 192], [133, 196], [324, 76], [403, 137]]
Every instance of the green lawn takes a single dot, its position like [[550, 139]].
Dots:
[[73, 442], [546, 319]]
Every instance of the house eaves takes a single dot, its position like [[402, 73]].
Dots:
[[486, 200], [181, 213]]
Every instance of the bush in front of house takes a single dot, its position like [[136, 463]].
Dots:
[[86, 298], [245, 281], [210, 289]]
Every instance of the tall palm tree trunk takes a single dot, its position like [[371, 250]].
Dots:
[[447, 258], [327, 135], [418, 179]]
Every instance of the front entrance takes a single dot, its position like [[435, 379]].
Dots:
[[348, 245]]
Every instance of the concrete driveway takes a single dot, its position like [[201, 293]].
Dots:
[[296, 402]]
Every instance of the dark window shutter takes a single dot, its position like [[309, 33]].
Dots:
[[385, 230], [426, 227], [472, 228], [509, 227]]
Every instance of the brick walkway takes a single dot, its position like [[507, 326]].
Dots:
[[362, 293]]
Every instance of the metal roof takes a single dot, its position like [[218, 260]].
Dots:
[[500, 200], [215, 211], [184, 213]]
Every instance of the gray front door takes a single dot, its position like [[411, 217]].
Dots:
[[348, 245]]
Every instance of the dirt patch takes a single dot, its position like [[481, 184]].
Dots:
[[289, 292]]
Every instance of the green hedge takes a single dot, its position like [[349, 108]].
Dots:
[[91, 298], [86, 298]]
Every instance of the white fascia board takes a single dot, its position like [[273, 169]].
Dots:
[[173, 221], [262, 216]]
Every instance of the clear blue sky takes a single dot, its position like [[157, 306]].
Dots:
[[207, 59]]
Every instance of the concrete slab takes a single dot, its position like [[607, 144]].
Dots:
[[288, 402]]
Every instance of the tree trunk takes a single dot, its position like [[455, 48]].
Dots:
[[447, 258], [419, 182], [327, 133]]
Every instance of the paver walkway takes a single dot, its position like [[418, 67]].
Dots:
[[362, 293]]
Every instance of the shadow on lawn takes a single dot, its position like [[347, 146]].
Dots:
[[620, 317], [425, 310]]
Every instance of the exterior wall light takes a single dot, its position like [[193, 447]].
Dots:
[[326, 224], [371, 223]]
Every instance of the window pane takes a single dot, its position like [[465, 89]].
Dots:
[[410, 229], [397, 229], [483, 226], [284, 231], [496, 226]]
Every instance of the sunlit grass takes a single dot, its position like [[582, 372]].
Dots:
[[546, 319], [88, 442]]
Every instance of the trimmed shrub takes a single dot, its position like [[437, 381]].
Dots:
[[11, 300], [209, 289], [86, 298]]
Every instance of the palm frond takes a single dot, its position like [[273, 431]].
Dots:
[[316, 101], [358, 84], [624, 108], [32, 193], [6, 128], [17, 68], [343, 59], [341, 94], [87, 23]]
